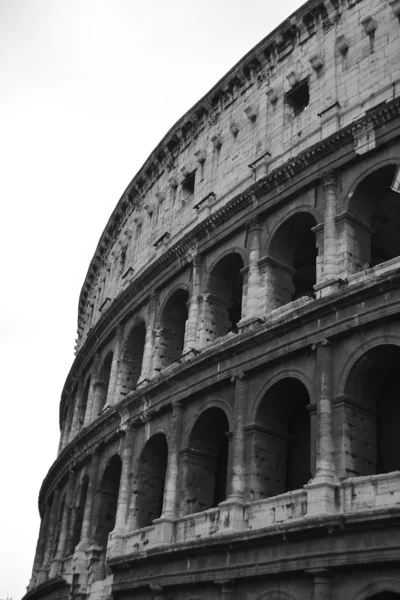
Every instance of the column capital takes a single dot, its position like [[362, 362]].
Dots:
[[119, 330], [196, 260], [321, 343], [329, 179], [254, 223], [238, 377]]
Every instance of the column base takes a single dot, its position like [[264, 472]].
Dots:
[[164, 530], [329, 287], [231, 516], [250, 323], [321, 497], [43, 575]]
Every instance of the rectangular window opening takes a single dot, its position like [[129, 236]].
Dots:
[[188, 185], [299, 97]]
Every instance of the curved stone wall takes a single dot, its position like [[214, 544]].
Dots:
[[230, 425]]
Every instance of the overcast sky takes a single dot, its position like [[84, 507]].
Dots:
[[88, 89]]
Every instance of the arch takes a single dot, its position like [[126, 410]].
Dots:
[[287, 373], [77, 514], [279, 441], [222, 304], [302, 208], [204, 462], [171, 335], [372, 411], [171, 291], [375, 214], [374, 590], [292, 258], [233, 250], [148, 489], [107, 500], [366, 171], [130, 367], [207, 404]]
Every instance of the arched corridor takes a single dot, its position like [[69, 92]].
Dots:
[[148, 492], [373, 385], [204, 463], [279, 441], [222, 308], [292, 260], [132, 358], [171, 335]]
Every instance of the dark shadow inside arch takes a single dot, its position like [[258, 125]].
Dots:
[[384, 596], [280, 440], [150, 480], [132, 358], [293, 255], [83, 403], [173, 325], [376, 209], [204, 463], [223, 308], [373, 412]]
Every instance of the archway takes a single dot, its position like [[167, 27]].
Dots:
[[172, 329], [372, 412], [279, 441], [132, 358], [77, 515], [107, 500], [292, 260], [223, 299], [204, 463], [150, 480], [375, 210]]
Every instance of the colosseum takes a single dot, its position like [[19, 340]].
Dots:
[[230, 426]]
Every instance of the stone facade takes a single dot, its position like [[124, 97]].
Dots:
[[230, 427]]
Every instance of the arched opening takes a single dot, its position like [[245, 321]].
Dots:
[[77, 514], [205, 463], [372, 413], [279, 441], [108, 500], [57, 530], [223, 300], [375, 209], [172, 329], [132, 358], [83, 404], [102, 384], [292, 260], [150, 480]]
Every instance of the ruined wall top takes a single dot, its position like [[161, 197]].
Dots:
[[310, 77]]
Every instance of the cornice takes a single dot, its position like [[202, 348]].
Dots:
[[287, 174], [256, 66]]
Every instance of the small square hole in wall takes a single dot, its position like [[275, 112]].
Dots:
[[299, 97], [188, 185]]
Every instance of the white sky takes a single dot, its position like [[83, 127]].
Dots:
[[87, 90]]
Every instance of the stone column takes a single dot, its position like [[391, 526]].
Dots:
[[75, 419], [171, 479], [204, 330], [44, 570], [322, 584], [147, 362], [321, 490], [236, 491], [90, 498], [254, 281], [64, 530], [193, 314], [329, 185], [93, 377], [123, 494], [40, 546], [112, 386]]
